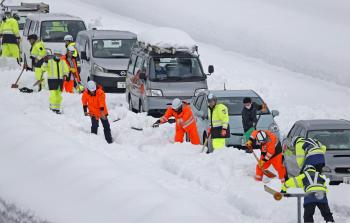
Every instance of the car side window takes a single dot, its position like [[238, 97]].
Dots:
[[205, 106], [132, 64], [298, 131], [26, 27], [31, 28], [291, 132], [36, 29], [303, 133], [87, 49], [199, 102], [138, 65]]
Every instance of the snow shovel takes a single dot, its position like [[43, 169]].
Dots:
[[276, 195], [205, 144], [267, 173], [15, 85]]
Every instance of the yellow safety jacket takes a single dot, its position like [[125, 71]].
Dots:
[[10, 31], [309, 152], [313, 183], [55, 70], [218, 119], [38, 52]]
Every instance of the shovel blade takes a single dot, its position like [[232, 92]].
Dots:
[[269, 174], [14, 86]]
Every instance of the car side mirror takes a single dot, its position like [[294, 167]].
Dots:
[[275, 113], [143, 76], [210, 69], [83, 56]]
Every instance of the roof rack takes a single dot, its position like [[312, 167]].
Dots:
[[170, 50]]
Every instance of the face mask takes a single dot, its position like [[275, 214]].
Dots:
[[248, 106]]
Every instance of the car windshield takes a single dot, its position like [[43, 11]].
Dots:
[[54, 31], [333, 139], [176, 69], [112, 48], [235, 104], [22, 22]]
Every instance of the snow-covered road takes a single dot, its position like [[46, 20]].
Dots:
[[53, 166]]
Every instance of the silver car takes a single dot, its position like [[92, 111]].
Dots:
[[105, 57], [233, 99], [335, 134], [156, 76]]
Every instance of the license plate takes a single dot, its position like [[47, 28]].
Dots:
[[346, 180], [121, 84]]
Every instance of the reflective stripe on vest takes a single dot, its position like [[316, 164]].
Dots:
[[188, 122], [312, 182], [53, 66]]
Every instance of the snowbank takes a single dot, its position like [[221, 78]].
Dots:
[[311, 37], [164, 37]]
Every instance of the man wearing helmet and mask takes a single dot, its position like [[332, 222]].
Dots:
[[271, 153], [69, 42], [185, 121], [218, 121], [94, 105]]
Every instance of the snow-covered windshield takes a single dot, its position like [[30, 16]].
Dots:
[[235, 104], [54, 31], [176, 69], [116, 48], [333, 139]]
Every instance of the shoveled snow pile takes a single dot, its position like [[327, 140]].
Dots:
[[164, 37]]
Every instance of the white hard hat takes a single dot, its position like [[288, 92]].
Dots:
[[71, 49], [176, 104], [211, 97], [91, 85], [261, 137], [68, 38]]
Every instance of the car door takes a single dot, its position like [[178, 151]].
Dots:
[[130, 76], [85, 63], [136, 83], [25, 45], [290, 160]]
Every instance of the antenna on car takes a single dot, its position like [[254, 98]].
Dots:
[[224, 86]]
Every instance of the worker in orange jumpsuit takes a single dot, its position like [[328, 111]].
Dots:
[[73, 79], [185, 121], [94, 105], [271, 153]]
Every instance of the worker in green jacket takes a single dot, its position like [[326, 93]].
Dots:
[[37, 55], [315, 188], [309, 151], [218, 121], [56, 69], [10, 37]]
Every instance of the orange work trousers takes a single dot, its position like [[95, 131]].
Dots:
[[276, 163], [68, 86], [191, 132]]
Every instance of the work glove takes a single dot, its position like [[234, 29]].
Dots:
[[103, 116], [156, 124], [86, 114], [249, 145], [73, 70], [223, 132], [261, 163], [283, 191]]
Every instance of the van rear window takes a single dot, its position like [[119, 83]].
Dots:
[[54, 31]]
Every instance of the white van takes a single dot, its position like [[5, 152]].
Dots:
[[51, 29]]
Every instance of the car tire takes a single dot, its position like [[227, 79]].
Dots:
[[131, 106]]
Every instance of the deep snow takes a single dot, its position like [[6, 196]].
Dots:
[[52, 166], [311, 36]]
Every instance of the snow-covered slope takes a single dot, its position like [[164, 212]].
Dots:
[[311, 36], [53, 166]]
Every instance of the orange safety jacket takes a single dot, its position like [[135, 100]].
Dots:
[[74, 65], [95, 103], [184, 120], [269, 149]]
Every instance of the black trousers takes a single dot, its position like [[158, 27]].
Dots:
[[309, 211], [106, 128]]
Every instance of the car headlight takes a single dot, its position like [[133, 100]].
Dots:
[[154, 93], [98, 68], [274, 128], [326, 169], [199, 90]]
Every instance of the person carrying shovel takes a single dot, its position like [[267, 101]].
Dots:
[[271, 153]]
